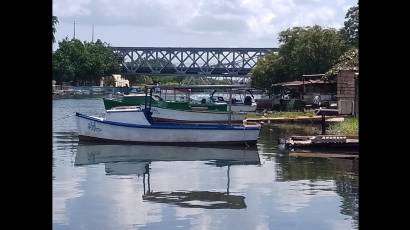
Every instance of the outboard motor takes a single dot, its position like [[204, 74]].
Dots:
[[248, 100]]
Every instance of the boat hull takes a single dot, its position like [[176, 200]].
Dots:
[[131, 101], [161, 114], [96, 129], [243, 108]]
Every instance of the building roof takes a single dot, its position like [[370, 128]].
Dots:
[[306, 82], [200, 86]]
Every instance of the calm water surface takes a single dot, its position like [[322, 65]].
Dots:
[[160, 187]]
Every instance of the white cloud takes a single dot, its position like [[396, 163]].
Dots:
[[182, 22], [66, 187]]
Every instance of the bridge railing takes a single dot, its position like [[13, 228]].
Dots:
[[192, 61]]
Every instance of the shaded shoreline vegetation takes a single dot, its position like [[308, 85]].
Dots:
[[282, 115], [349, 127]]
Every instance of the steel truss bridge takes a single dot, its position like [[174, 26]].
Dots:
[[189, 61]]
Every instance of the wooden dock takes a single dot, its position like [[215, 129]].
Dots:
[[324, 155], [301, 119], [322, 141]]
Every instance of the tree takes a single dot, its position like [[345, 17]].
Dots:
[[55, 22], [350, 32], [348, 61], [84, 62], [268, 70], [310, 50], [303, 50]]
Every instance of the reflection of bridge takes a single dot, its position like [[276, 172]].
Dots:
[[189, 61]]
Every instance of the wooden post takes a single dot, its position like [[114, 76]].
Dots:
[[150, 98], [323, 125], [146, 97], [230, 106], [149, 187], [143, 181], [229, 179]]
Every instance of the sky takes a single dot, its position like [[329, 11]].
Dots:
[[193, 23]]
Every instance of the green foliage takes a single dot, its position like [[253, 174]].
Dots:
[[163, 80], [282, 115], [347, 127], [348, 61], [303, 50], [268, 70], [310, 50], [54, 23], [350, 32], [175, 80], [83, 61], [166, 80]]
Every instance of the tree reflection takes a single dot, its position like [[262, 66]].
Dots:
[[343, 172]]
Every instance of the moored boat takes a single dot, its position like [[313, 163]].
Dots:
[[157, 101], [212, 103], [139, 127], [144, 131]]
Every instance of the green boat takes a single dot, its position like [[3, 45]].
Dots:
[[156, 101]]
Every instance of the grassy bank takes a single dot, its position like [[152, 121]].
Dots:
[[349, 127], [282, 115]]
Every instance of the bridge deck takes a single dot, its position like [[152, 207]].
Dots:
[[189, 60]]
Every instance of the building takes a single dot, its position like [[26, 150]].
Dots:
[[348, 92], [307, 89], [115, 80]]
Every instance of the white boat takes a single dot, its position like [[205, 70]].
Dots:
[[240, 107], [236, 106], [129, 114], [180, 116], [138, 127]]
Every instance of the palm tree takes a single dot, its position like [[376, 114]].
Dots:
[[55, 21]]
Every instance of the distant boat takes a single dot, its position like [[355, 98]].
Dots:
[[157, 101], [211, 103], [176, 111]]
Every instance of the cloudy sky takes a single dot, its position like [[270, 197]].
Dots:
[[193, 23]]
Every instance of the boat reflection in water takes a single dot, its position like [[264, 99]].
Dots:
[[136, 159]]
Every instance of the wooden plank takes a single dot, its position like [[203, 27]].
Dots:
[[324, 155]]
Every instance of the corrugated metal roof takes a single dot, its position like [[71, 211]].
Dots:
[[307, 82]]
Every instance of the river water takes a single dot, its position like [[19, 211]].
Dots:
[[160, 187]]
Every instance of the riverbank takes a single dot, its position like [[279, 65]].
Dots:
[[290, 117], [349, 127]]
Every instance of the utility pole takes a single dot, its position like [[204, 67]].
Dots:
[[92, 36], [74, 30]]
